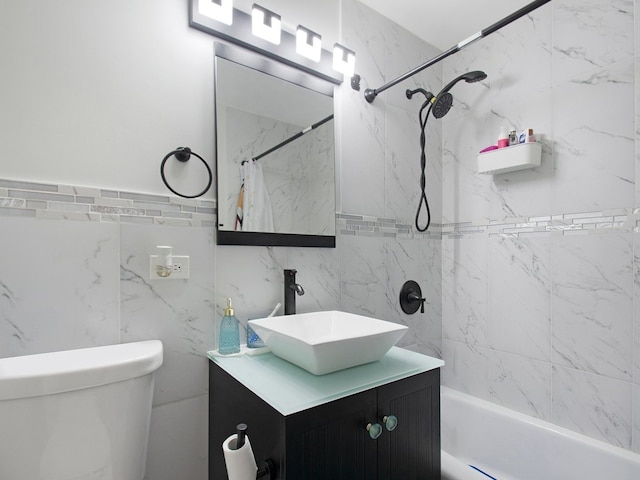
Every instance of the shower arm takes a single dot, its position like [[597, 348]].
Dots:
[[371, 94]]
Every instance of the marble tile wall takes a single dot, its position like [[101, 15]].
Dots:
[[379, 152], [540, 267], [75, 274]]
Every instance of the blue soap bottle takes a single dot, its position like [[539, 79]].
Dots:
[[229, 338]]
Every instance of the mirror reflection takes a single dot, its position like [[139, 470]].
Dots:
[[275, 155]]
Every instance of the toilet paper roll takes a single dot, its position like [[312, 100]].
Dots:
[[241, 464]]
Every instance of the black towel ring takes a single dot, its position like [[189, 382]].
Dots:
[[183, 154]]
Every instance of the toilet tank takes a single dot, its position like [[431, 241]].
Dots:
[[78, 414]]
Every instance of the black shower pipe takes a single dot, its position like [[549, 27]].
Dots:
[[371, 94]]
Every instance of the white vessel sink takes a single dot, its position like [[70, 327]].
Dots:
[[324, 342]]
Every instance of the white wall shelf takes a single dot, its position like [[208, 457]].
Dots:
[[510, 159]]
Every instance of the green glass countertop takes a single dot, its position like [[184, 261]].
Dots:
[[290, 389]]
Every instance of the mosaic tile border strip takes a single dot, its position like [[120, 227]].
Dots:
[[583, 223], [368, 226], [65, 202], [616, 220]]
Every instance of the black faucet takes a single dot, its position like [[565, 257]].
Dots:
[[291, 288]]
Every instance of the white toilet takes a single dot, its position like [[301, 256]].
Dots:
[[79, 414]]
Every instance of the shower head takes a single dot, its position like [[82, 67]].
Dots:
[[443, 101], [469, 77], [442, 104]]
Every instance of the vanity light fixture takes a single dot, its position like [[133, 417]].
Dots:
[[344, 60], [265, 24], [249, 30], [220, 10], [308, 43]]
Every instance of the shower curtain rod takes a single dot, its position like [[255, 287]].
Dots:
[[371, 94], [291, 139]]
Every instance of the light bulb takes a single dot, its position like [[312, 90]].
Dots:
[[308, 43], [265, 24], [344, 60], [220, 10]]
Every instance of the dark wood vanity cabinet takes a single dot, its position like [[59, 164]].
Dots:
[[331, 441]]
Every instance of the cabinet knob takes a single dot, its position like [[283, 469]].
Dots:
[[375, 430], [390, 422]]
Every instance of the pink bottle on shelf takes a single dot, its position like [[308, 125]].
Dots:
[[503, 138]]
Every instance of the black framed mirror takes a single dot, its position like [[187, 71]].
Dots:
[[275, 153]]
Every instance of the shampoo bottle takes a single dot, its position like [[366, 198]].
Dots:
[[503, 138], [229, 338]]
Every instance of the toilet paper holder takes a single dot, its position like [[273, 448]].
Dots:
[[267, 470]]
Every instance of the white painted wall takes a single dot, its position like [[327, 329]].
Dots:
[[96, 93]]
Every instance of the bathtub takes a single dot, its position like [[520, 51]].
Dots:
[[508, 445]]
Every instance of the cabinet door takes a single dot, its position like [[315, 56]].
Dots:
[[412, 450], [330, 442]]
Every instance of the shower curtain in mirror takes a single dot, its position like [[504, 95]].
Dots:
[[254, 206]]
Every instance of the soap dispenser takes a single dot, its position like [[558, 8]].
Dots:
[[229, 338]]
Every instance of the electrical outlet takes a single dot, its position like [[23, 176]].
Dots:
[[179, 268]]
